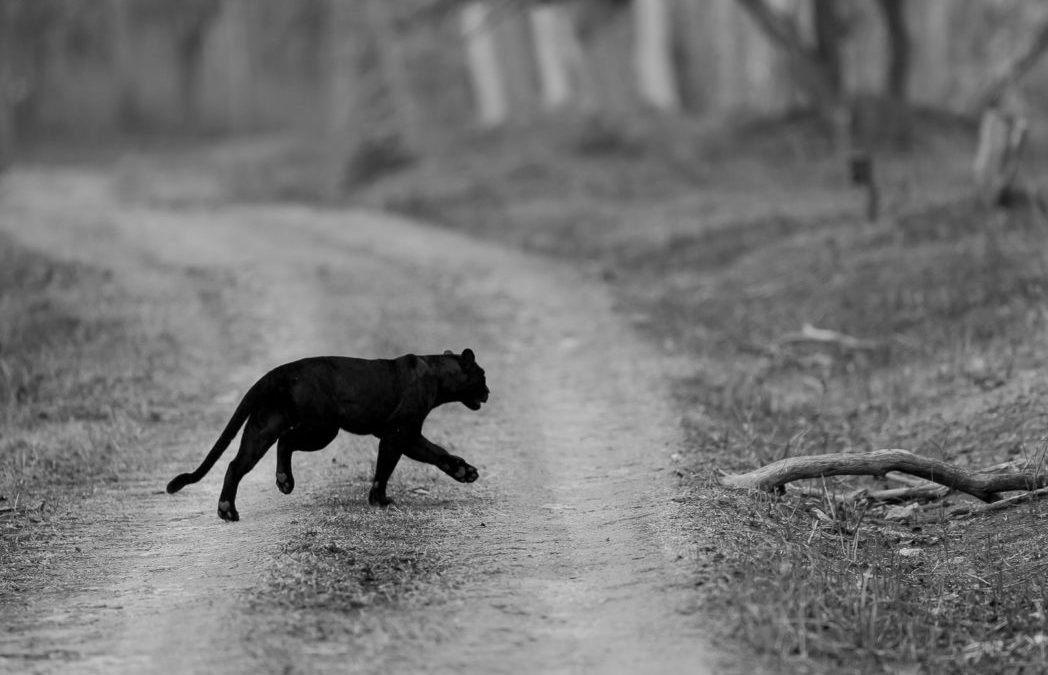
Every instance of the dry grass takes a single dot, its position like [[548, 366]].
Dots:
[[354, 567], [851, 593], [76, 393], [956, 297], [716, 257], [717, 263]]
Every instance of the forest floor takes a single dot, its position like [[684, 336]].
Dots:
[[132, 324], [718, 252], [715, 253]]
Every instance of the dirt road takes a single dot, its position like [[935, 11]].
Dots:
[[570, 561]]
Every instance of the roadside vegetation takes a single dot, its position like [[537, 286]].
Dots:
[[719, 256], [83, 385], [719, 249]]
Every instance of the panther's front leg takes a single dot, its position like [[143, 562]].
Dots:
[[389, 451], [424, 450]]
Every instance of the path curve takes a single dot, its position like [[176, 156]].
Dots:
[[579, 569]]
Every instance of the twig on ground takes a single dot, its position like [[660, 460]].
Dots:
[[1005, 503], [809, 333], [927, 492]]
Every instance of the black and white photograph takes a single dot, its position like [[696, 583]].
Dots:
[[685, 337]]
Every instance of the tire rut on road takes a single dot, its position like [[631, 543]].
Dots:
[[576, 569]]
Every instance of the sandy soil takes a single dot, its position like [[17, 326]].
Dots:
[[576, 564]]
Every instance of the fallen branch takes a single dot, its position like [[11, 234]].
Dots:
[[982, 485]]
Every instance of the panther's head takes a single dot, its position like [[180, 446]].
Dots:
[[466, 383]]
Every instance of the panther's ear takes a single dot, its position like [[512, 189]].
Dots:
[[448, 352], [468, 356]]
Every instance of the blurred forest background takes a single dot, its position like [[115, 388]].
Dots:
[[413, 75], [689, 152]]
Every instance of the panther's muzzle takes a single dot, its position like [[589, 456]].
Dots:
[[474, 402]]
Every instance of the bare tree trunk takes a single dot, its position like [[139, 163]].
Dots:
[[517, 66], [936, 40], [656, 74], [608, 91], [728, 57], [698, 59], [395, 74], [128, 114], [814, 75], [897, 76], [7, 75], [190, 32], [828, 29], [482, 57], [188, 76], [239, 89], [1013, 70], [343, 134], [583, 77]]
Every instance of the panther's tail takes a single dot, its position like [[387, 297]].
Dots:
[[240, 415]]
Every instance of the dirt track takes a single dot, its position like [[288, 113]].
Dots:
[[576, 567]]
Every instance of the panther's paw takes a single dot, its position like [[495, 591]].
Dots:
[[461, 471], [285, 483], [226, 511], [376, 498]]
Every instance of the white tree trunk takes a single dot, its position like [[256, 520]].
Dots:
[[656, 75], [482, 57], [996, 164], [549, 25]]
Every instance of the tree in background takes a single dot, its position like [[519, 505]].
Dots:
[[653, 54], [1008, 73], [819, 64], [882, 114], [816, 62], [482, 58], [7, 84], [189, 22], [897, 73], [405, 66]]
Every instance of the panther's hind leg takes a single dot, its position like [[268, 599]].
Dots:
[[424, 450], [304, 438], [389, 451], [260, 433]]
